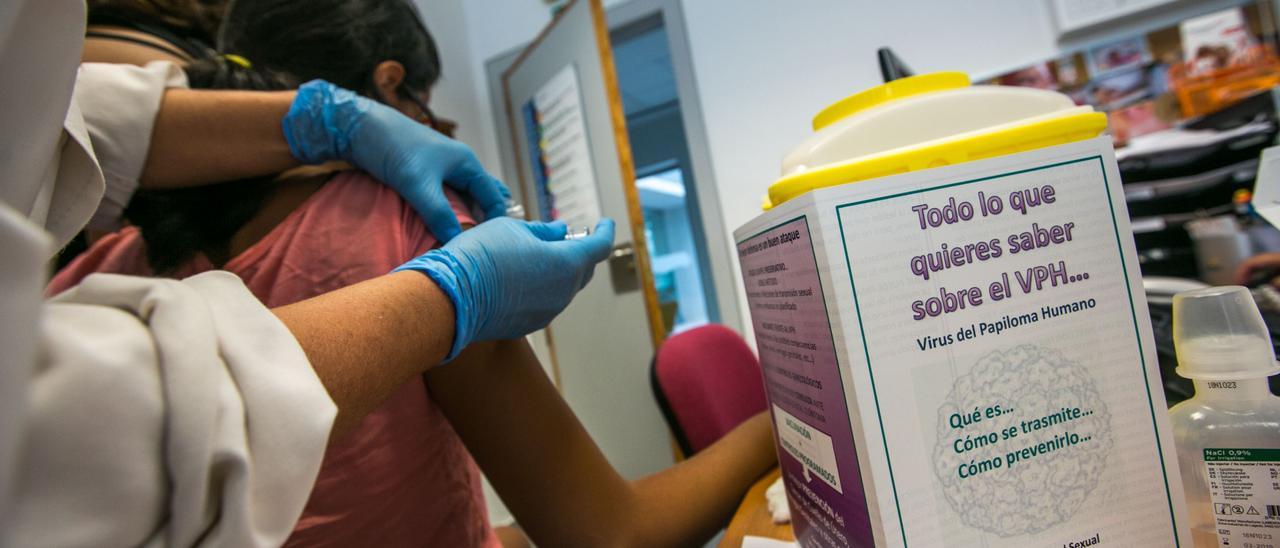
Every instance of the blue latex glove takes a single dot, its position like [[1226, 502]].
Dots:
[[327, 123], [509, 278]]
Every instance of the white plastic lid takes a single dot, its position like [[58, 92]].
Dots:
[[951, 110], [1219, 335]]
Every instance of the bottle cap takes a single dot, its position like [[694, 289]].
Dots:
[[1219, 335]]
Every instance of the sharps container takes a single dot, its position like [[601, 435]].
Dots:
[[947, 305]]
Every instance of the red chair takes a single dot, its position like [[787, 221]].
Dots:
[[706, 381]]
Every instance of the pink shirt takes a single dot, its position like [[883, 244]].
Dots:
[[402, 477]]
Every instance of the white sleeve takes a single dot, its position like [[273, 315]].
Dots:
[[119, 104], [164, 412]]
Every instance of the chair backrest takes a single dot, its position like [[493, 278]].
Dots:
[[707, 381]]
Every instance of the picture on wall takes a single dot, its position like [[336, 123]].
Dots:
[[1131, 52], [1121, 88], [1035, 76], [1150, 82], [1216, 41]]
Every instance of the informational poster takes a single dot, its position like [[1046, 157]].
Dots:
[[1009, 379], [981, 331], [560, 153], [802, 374]]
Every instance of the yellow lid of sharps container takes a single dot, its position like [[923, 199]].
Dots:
[[927, 121]]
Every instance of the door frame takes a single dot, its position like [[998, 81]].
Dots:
[[706, 194], [711, 216], [639, 247]]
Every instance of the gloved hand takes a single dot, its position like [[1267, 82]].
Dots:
[[509, 278], [327, 123]]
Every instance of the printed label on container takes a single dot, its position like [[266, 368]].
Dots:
[[812, 448], [997, 329], [1244, 487], [802, 377]]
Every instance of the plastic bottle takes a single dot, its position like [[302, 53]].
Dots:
[[1228, 435]]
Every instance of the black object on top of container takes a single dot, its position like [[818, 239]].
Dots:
[[891, 67]]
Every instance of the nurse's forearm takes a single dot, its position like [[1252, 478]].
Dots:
[[367, 340], [206, 136]]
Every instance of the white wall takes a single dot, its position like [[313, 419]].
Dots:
[[479, 30], [765, 67], [455, 95], [764, 70]]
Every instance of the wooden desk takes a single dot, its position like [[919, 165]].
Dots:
[[753, 518]]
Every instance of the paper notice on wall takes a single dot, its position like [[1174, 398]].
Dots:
[[560, 153]]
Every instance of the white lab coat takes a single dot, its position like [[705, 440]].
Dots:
[[133, 412]]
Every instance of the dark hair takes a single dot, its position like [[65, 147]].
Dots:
[[286, 42], [191, 19], [340, 41], [176, 224]]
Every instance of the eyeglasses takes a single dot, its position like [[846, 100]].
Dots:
[[427, 115], [442, 125]]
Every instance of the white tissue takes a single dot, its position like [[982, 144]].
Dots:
[[776, 494]]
